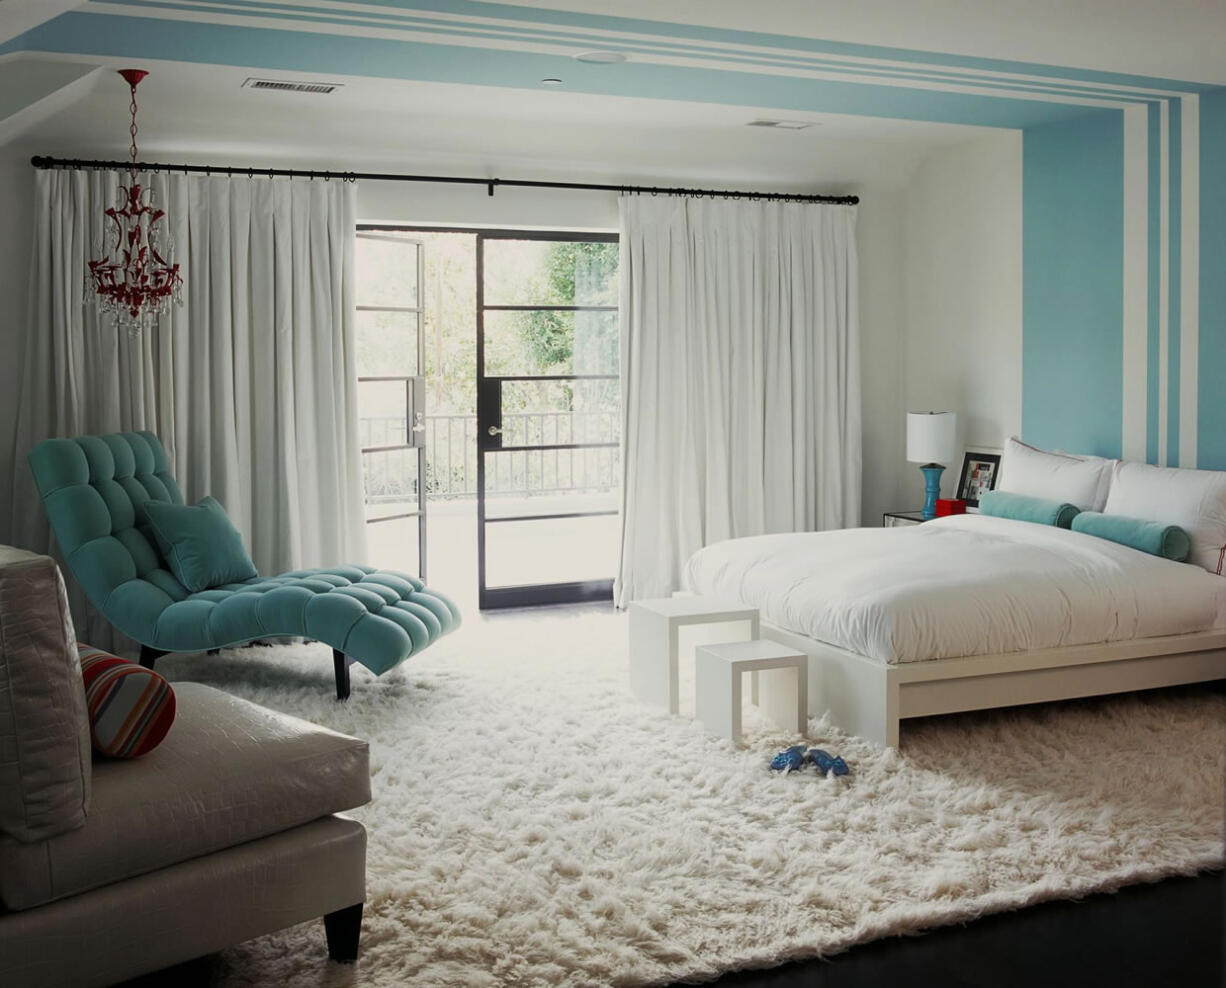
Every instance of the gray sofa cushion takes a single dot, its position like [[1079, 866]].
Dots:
[[44, 729], [228, 772]]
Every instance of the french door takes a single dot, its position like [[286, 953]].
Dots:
[[548, 419], [392, 395]]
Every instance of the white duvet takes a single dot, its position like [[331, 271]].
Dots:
[[965, 585]]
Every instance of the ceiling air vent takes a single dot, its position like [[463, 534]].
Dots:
[[286, 86], [783, 124]]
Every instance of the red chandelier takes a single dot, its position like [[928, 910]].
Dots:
[[134, 282]]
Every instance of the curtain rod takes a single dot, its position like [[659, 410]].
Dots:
[[42, 161]]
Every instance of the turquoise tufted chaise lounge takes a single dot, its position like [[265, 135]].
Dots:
[[94, 489]]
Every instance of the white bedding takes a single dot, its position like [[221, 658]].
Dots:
[[964, 585]]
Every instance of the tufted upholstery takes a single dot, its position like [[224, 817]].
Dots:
[[94, 487]]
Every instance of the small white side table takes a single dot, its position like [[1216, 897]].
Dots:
[[654, 633], [783, 685]]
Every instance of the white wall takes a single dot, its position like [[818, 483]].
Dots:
[[879, 235], [471, 205], [963, 298], [16, 227]]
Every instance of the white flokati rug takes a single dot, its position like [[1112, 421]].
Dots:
[[533, 825]]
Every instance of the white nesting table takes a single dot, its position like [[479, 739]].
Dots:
[[654, 641], [783, 685]]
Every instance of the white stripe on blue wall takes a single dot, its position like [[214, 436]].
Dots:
[[1164, 274], [1189, 282], [1136, 282]]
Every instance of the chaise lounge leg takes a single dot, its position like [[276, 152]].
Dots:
[[148, 656], [344, 928], [341, 662]]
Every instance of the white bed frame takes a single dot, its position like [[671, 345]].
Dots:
[[870, 698]]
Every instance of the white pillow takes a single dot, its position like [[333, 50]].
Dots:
[[1195, 500], [1079, 480]]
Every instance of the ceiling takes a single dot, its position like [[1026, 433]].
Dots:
[[1174, 39], [455, 85], [466, 129]]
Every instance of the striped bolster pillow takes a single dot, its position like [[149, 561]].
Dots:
[[130, 707]]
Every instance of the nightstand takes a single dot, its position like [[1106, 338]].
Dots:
[[898, 519]]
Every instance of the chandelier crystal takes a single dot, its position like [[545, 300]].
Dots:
[[134, 282]]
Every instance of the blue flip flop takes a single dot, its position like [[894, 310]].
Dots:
[[792, 760], [826, 763]]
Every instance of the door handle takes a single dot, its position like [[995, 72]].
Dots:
[[493, 430]]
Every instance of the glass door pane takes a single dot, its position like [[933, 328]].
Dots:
[[548, 418], [391, 398]]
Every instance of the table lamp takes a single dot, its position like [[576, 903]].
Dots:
[[930, 441]]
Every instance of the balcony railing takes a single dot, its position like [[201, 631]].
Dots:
[[451, 456]]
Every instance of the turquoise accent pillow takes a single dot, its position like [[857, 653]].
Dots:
[[200, 544], [1022, 507], [1167, 541]]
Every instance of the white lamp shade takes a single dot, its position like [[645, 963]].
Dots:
[[931, 437]]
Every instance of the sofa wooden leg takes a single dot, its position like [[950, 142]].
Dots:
[[344, 928], [341, 663], [148, 656]]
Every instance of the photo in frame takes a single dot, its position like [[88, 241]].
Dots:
[[980, 472]]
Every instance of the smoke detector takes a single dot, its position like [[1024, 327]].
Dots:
[[289, 86], [783, 124]]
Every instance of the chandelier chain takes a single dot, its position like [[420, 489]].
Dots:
[[132, 128]]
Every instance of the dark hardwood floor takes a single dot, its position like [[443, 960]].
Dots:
[[1165, 935]]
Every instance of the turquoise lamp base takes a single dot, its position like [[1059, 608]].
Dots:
[[932, 489]]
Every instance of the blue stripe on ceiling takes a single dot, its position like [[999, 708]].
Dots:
[[1175, 199], [601, 22], [1152, 296], [1211, 417], [381, 58], [296, 16], [1072, 283]]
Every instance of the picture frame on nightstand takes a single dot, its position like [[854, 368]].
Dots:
[[980, 473]]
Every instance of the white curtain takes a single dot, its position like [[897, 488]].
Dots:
[[251, 384], [740, 377]]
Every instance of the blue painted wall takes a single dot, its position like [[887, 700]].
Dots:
[[1072, 283], [1211, 416]]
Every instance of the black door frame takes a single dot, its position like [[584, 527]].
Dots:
[[489, 414]]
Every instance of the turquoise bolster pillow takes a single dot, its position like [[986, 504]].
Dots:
[[1021, 507], [200, 544], [1167, 541]]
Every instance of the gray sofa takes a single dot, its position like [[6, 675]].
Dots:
[[114, 868]]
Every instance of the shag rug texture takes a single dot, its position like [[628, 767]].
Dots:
[[533, 825]]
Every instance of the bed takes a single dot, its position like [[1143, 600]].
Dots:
[[969, 612]]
